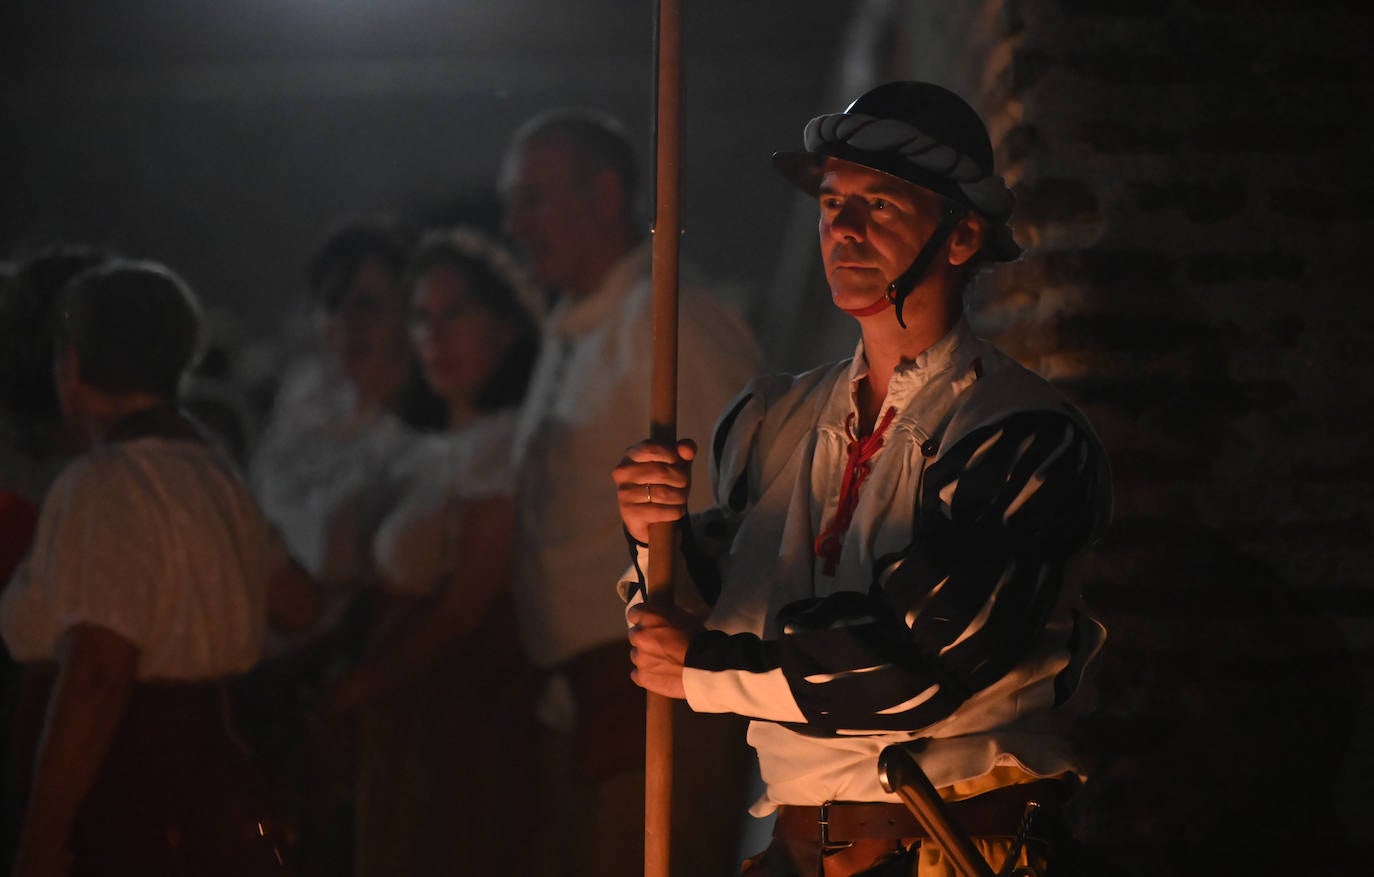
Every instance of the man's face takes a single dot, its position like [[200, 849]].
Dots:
[[872, 227], [548, 212]]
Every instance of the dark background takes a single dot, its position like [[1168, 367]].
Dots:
[[222, 138]]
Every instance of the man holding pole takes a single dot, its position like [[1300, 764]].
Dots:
[[568, 183], [885, 558]]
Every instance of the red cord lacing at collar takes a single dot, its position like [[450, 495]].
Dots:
[[856, 471]]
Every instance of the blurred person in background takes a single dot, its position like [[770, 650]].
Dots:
[[438, 765], [569, 183], [22, 438], [33, 448], [151, 582], [323, 464], [326, 472]]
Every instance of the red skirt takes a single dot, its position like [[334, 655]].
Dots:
[[178, 794]]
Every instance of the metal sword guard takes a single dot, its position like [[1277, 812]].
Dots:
[[901, 775]]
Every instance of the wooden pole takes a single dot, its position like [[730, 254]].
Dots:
[[658, 763]]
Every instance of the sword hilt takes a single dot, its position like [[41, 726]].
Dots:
[[899, 773]]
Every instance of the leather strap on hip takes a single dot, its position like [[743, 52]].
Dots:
[[992, 814]]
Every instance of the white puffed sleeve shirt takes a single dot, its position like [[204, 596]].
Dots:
[[415, 546], [160, 542]]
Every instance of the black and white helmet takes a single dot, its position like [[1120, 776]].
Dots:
[[919, 132]]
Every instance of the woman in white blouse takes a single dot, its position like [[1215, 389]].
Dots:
[[325, 471], [150, 583], [440, 653]]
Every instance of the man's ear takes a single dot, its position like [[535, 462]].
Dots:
[[608, 194], [66, 379], [66, 365], [967, 238]]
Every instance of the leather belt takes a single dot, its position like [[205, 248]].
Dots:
[[991, 814]]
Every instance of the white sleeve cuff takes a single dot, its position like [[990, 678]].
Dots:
[[754, 695]]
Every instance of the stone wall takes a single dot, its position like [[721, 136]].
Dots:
[[1192, 198]]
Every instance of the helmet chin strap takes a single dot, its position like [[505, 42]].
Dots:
[[899, 289], [881, 303]]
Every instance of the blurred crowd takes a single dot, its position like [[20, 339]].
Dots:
[[407, 656]]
